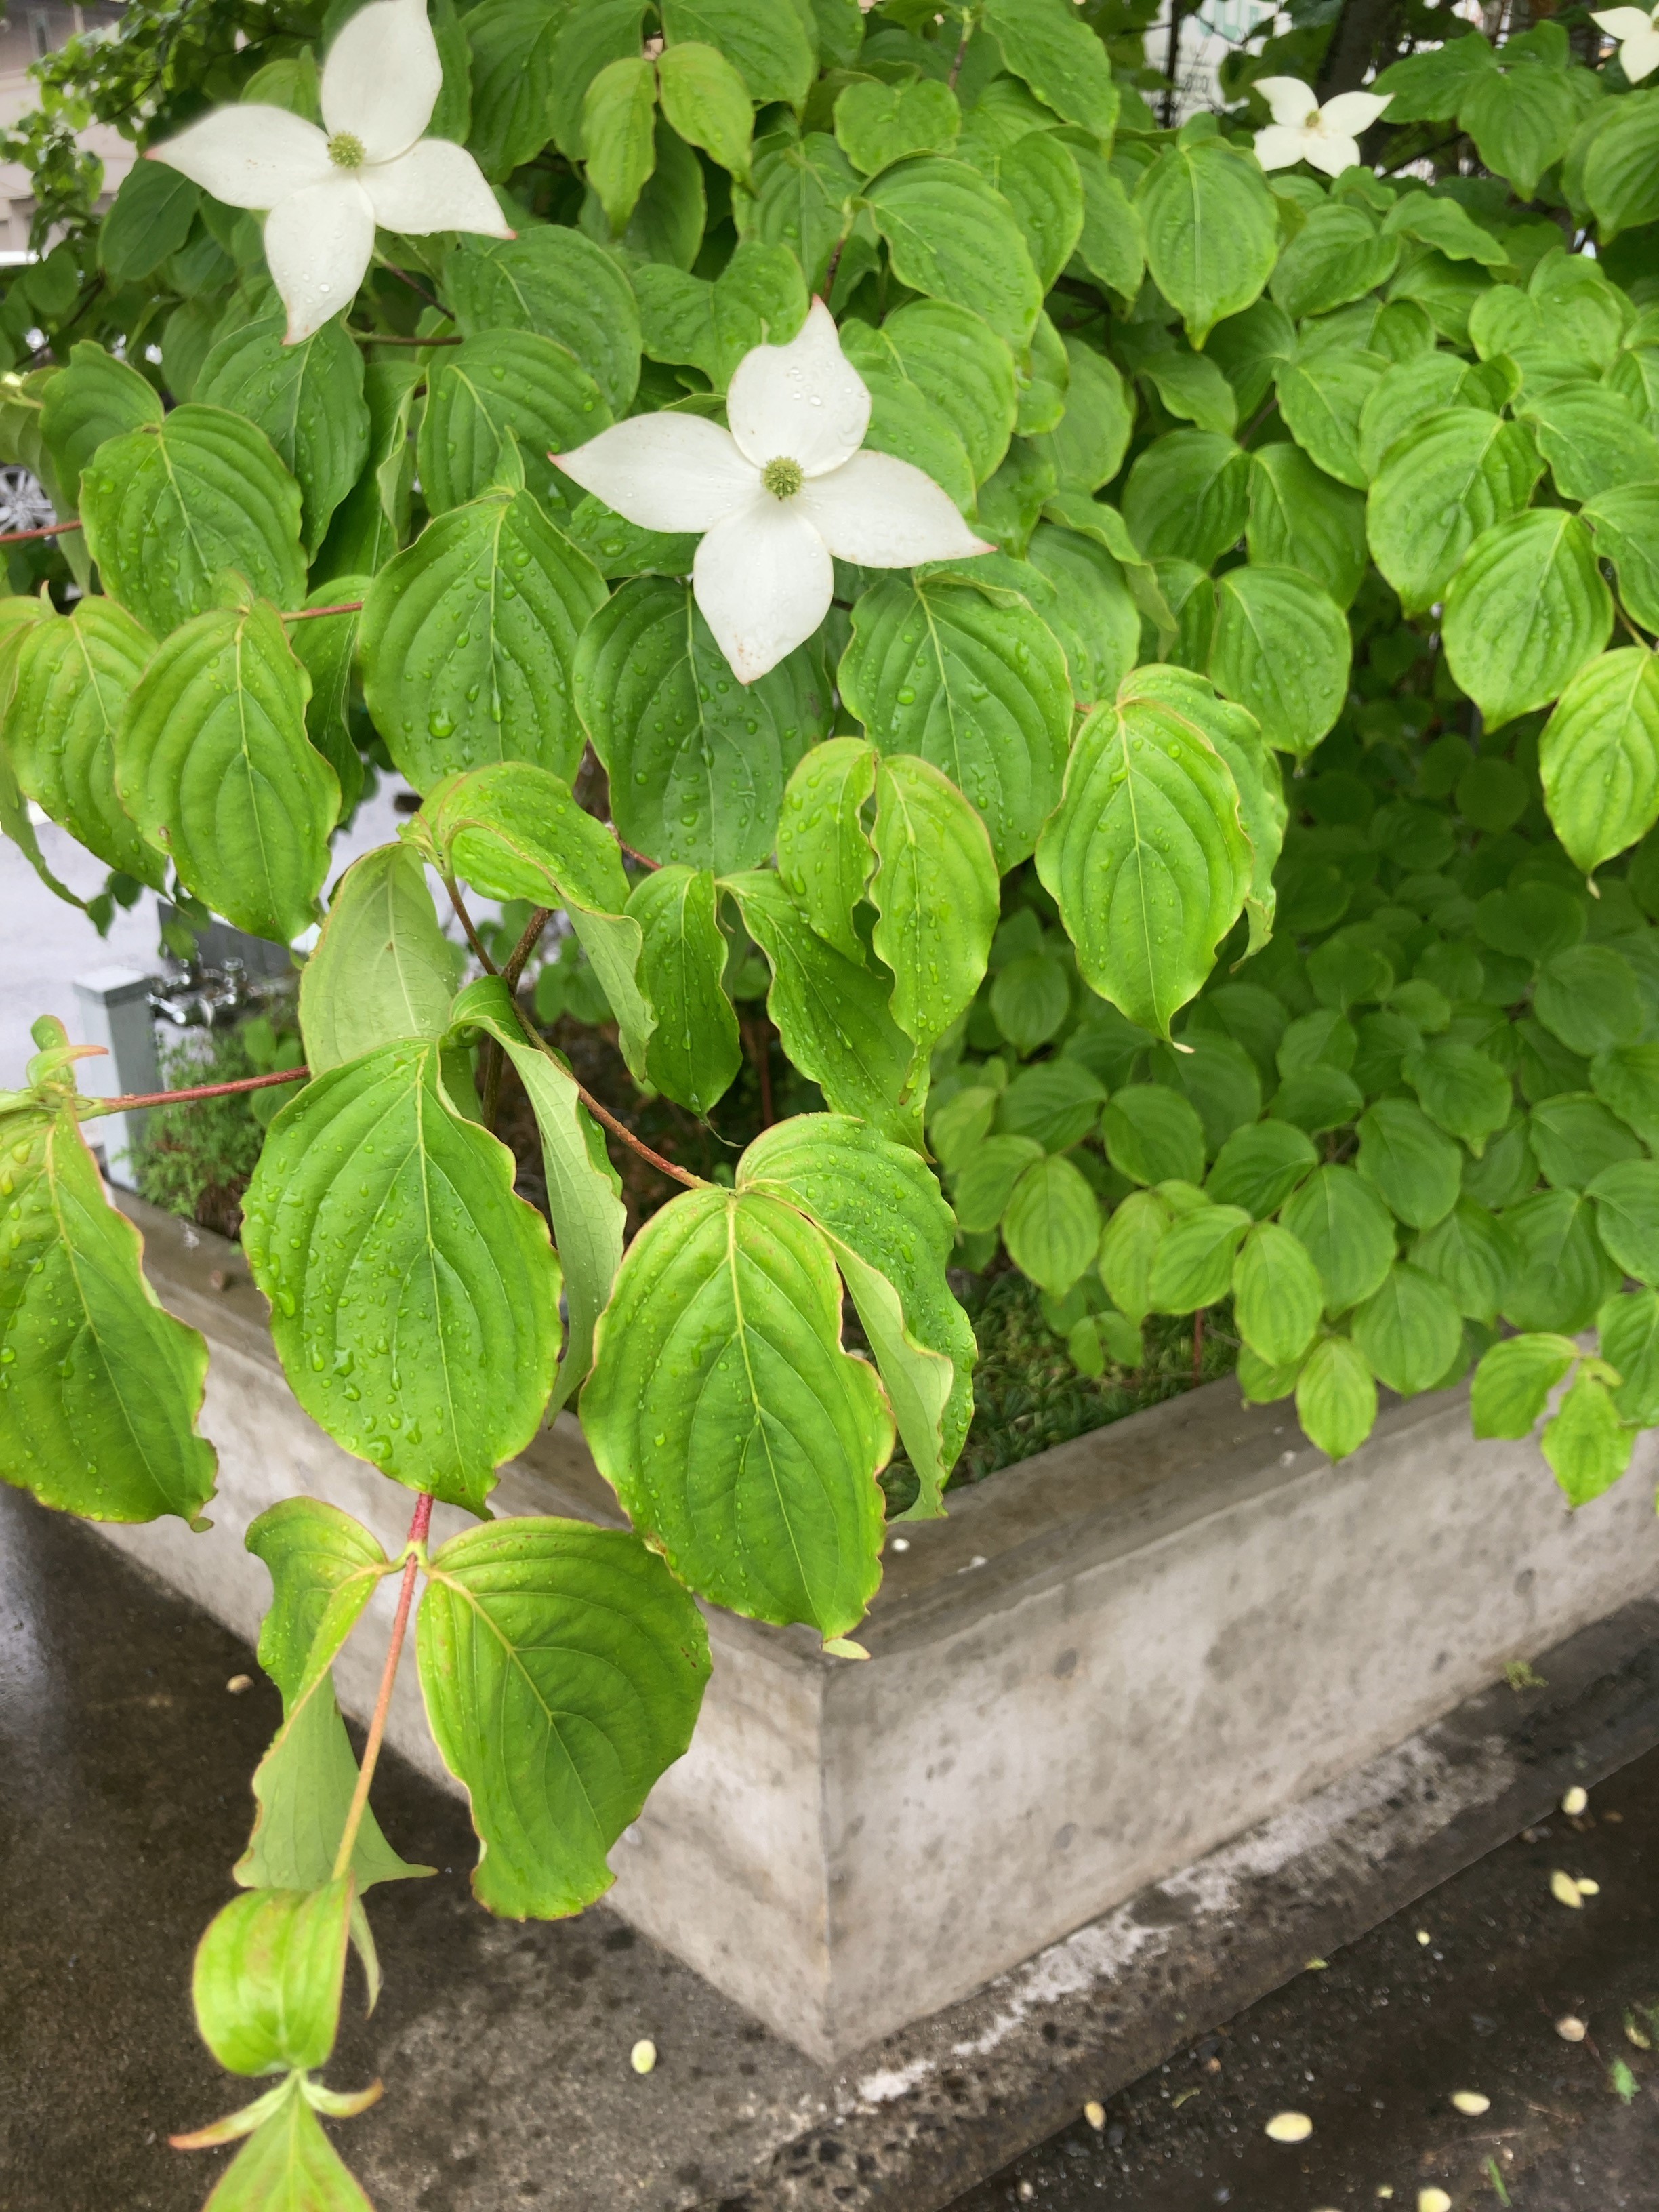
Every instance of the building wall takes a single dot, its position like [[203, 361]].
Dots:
[[26, 36]]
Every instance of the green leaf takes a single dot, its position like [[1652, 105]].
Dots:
[[1191, 386], [1574, 1138], [951, 237], [1343, 1226], [1128, 1249], [502, 381], [469, 642], [741, 1438], [618, 129], [1336, 1397], [769, 47], [1591, 437], [1414, 1169], [986, 1181], [1212, 235], [1052, 1225], [1587, 996], [1525, 613], [559, 285], [1153, 1135], [877, 124], [1087, 445], [1280, 647], [697, 761], [1475, 1256], [1565, 1275], [802, 193], [74, 679], [1629, 1327], [1089, 606], [1587, 1445], [695, 1051], [1627, 1080], [584, 1191], [1621, 180], [513, 831], [327, 650], [309, 400], [1599, 756], [268, 1976], [1461, 1089], [287, 2161], [891, 1235], [1322, 397], [1514, 1381], [602, 32], [1521, 121], [1038, 178], [1627, 1216], [1277, 1294], [1337, 256], [1259, 1166], [382, 968], [955, 362], [708, 103], [1445, 225], [1408, 1330], [95, 397], [1457, 473], [1193, 1265], [562, 1669], [1188, 496], [414, 1297], [1057, 1102], [1410, 391], [1063, 60], [1300, 518], [99, 1389], [833, 1017], [1146, 854], [1111, 246], [512, 80], [824, 853], [936, 895], [168, 507], [214, 765], [758, 298], [150, 218], [973, 681]]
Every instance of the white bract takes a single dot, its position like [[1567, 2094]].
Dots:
[[1637, 35], [325, 191], [1327, 138], [776, 495]]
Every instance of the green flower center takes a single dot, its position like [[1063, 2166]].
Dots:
[[345, 150], [783, 479]]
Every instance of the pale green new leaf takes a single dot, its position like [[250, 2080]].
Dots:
[[287, 2165], [414, 1297], [742, 1440], [1128, 1251], [213, 763], [707, 102], [1525, 613], [169, 507], [695, 1051], [469, 642], [1052, 1225], [1599, 757], [563, 1668], [1336, 1397], [267, 1979], [618, 130], [936, 893], [1277, 1294], [1281, 648], [1514, 1380], [877, 124], [1147, 855], [382, 968], [1586, 1445], [891, 1234]]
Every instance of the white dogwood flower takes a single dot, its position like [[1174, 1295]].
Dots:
[[325, 191], [1637, 35], [1328, 137], [775, 496]]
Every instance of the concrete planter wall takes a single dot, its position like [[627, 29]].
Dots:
[[1104, 1663]]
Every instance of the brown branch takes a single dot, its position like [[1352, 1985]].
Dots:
[[526, 945], [130, 1102], [466, 921], [644, 859], [310, 614], [621, 1129], [46, 530]]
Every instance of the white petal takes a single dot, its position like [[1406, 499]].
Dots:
[[1279, 147], [250, 157], [382, 77], [1351, 112], [1622, 22], [1330, 151], [763, 579], [1639, 53], [317, 246], [665, 472], [1289, 100], [801, 402], [436, 185], [881, 513]]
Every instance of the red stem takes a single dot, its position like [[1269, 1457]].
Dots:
[[417, 1529], [644, 859], [133, 1100], [46, 530], [310, 614]]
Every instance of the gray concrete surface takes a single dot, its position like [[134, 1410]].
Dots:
[[1105, 1663], [504, 2048]]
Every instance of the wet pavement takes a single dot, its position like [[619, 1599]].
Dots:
[[125, 1761]]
